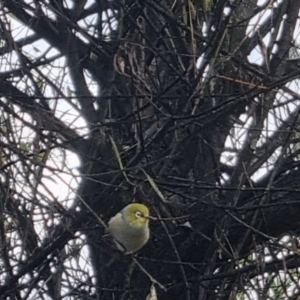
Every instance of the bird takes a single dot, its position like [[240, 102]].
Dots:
[[130, 228]]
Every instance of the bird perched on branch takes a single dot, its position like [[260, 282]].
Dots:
[[130, 228]]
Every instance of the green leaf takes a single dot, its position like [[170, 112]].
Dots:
[[117, 153], [155, 187]]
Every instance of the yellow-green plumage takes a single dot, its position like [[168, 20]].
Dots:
[[130, 227]]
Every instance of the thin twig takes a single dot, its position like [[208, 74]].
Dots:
[[153, 280]]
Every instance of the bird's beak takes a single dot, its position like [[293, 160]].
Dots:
[[150, 218]]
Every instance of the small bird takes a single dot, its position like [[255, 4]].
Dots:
[[130, 227]]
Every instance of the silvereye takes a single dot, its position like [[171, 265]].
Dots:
[[130, 227]]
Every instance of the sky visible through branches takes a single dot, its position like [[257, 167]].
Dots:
[[47, 173]]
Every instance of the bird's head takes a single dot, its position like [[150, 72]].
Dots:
[[136, 214]]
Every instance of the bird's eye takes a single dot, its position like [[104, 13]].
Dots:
[[138, 214]]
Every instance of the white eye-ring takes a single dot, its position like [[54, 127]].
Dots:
[[138, 214]]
